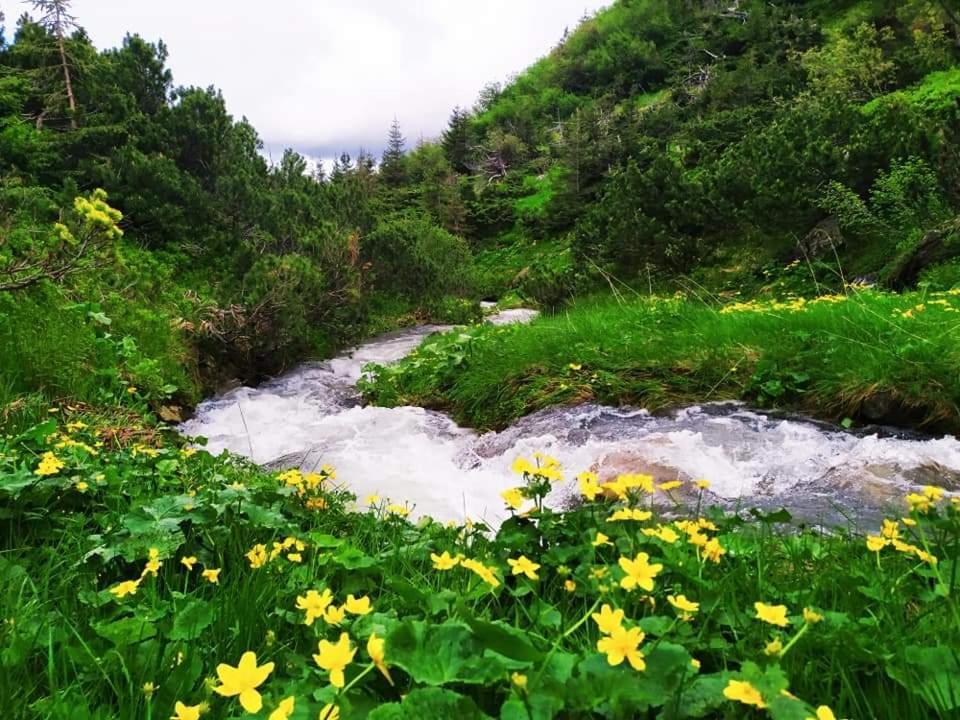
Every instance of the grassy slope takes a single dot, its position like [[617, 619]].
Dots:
[[868, 355], [69, 648]]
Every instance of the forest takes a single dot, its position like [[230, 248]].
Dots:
[[705, 200]]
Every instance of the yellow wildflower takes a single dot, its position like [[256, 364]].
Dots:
[[639, 572], [244, 680], [668, 486], [188, 562], [774, 647], [702, 484], [524, 566], [314, 604], [50, 464], [211, 575], [358, 606], [680, 602], [601, 539], [520, 680], [81, 486], [744, 692], [824, 713], [513, 497], [608, 619], [329, 712], [257, 556], [371, 499], [630, 514], [375, 649], [773, 614], [522, 466], [570, 586], [811, 617], [334, 658], [482, 570], [919, 503], [589, 485], [398, 510], [622, 645], [186, 712], [127, 587], [935, 494], [295, 557], [875, 543], [444, 562], [284, 709], [334, 615], [713, 550]]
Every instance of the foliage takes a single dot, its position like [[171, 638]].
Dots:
[[137, 573]]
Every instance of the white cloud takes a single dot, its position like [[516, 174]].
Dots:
[[329, 75]]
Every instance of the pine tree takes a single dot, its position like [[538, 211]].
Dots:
[[392, 168], [56, 18], [456, 140]]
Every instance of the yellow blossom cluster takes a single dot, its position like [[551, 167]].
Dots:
[[319, 605]]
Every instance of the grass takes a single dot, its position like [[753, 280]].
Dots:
[[868, 356], [506, 630]]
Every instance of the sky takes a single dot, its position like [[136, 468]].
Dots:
[[323, 76]]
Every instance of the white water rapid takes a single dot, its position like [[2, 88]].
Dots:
[[312, 415]]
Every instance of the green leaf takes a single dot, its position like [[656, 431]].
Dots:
[[191, 620], [439, 654], [504, 639], [430, 703], [933, 673], [126, 631]]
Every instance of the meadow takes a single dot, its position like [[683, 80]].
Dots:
[[145, 578]]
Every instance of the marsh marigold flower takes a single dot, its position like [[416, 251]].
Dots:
[[811, 617], [875, 543], [630, 514], [243, 681], [601, 539], [680, 602], [668, 486], [188, 562], [774, 647], [824, 713], [520, 680], [444, 562], [622, 645], [713, 550], [608, 619], [335, 615], [702, 484], [772, 614], [127, 587], [358, 606], [284, 709], [524, 566], [744, 692], [570, 586], [375, 649], [314, 604], [639, 572], [485, 573], [329, 712], [50, 464], [334, 658], [513, 497], [589, 485], [212, 575], [186, 712]]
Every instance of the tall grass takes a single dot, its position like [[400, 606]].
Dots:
[[869, 356]]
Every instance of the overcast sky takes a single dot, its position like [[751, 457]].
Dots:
[[323, 76]]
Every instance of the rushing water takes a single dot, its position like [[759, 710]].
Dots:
[[312, 415]]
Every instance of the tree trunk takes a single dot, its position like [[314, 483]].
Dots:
[[66, 79]]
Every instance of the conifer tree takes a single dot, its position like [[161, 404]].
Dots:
[[56, 18], [456, 140], [392, 168]]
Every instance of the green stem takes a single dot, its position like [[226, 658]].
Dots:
[[366, 671], [793, 641], [572, 629]]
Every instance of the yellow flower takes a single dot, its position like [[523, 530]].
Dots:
[[909, 522], [630, 514], [608, 619], [824, 713], [186, 712], [127, 587], [334, 658], [668, 486], [50, 464], [601, 539], [520, 680], [257, 556], [444, 562], [482, 570], [695, 664], [639, 572], [244, 680], [875, 543], [371, 499], [357, 606], [81, 486], [622, 645], [643, 482], [329, 712], [212, 575], [702, 484], [149, 689], [713, 550], [664, 532], [188, 562], [681, 603], [375, 649], [744, 692], [773, 614], [513, 497], [132, 390], [284, 709], [398, 510], [522, 466], [933, 493], [589, 485], [295, 557], [335, 615], [524, 566], [774, 647], [920, 503], [569, 586], [890, 530], [314, 604], [811, 617]]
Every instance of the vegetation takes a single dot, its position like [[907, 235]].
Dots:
[[143, 580], [708, 200]]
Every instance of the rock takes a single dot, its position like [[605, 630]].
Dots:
[[822, 239], [936, 246]]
